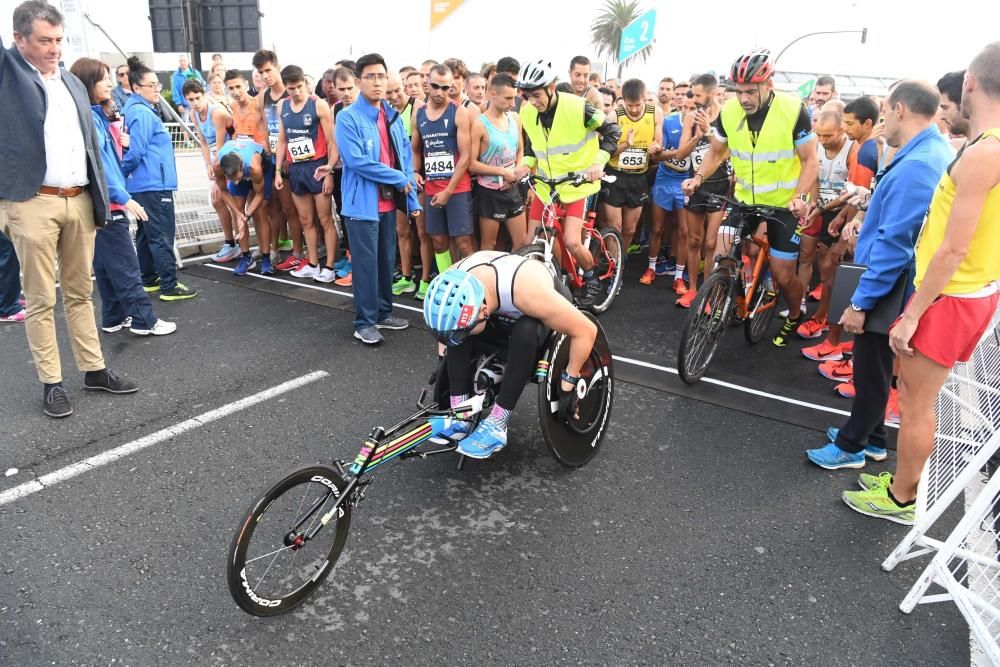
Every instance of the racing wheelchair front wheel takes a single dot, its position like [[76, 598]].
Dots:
[[575, 441]]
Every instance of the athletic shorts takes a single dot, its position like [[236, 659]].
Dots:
[[951, 328], [499, 205], [783, 236], [245, 187], [701, 202], [667, 193], [577, 209], [301, 177], [453, 219], [819, 229], [630, 190]]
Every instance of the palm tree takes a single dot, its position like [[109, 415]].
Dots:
[[606, 30]]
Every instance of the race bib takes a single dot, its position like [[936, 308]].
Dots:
[[633, 159], [272, 139], [301, 149], [827, 195], [678, 165], [439, 166], [698, 154]]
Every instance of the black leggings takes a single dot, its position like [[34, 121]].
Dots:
[[525, 339]]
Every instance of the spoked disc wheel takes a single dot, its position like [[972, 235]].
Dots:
[[760, 311], [608, 255], [273, 563], [575, 441], [704, 326]]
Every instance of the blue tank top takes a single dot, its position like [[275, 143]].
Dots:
[[501, 151], [245, 149], [271, 115], [306, 141], [208, 129], [674, 168]]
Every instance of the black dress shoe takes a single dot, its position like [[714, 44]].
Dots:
[[109, 380], [56, 403]]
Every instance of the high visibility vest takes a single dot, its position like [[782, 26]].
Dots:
[[568, 147], [766, 173]]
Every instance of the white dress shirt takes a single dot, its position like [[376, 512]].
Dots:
[[65, 153]]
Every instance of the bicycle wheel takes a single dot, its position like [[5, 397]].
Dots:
[[537, 251], [760, 309], [269, 571], [706, 322], [606, 248], [575, 441]]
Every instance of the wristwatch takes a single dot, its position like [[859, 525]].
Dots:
[[857, 309]]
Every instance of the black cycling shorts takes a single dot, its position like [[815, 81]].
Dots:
[[701, 202], [499, 205], [784, 235], [630, 190]]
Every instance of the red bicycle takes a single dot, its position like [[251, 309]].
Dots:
[[605, 245]]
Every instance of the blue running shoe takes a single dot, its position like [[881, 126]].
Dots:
[[871, 451], [247, 262], [344, 270], [485, 441], [665, 265], [456, 430], [342, 264], [832, 457], [265, 267]]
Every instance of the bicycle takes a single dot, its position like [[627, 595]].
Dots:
[[605, 245], [727, 297], [311, 507]]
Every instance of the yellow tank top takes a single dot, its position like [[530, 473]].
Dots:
[[981, 265], [635, 160]]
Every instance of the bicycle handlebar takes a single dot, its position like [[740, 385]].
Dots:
[[573, 178], [765, 212]]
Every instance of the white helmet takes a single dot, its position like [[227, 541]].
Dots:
[[536, 74]]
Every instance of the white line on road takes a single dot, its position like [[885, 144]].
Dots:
[[129, 448]]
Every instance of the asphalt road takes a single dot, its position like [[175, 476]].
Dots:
[[697, 536]]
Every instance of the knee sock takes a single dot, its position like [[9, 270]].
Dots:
[[499, 416], [458, 400], [443, 260]]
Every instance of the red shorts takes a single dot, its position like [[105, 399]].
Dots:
[[952, 327], [577, 209]]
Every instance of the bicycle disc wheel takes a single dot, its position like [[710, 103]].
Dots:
[[273, 565], [575, 441], [760, 311], [536, 251], [706, 322], [608, 257]]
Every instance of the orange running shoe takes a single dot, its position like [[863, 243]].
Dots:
[[812, 328], [892, 408], [346, 281], [846, 389], [817, 293], [848, 347], [648, 277], [838, 371], [825, 351], [685, 301], [680, 287]]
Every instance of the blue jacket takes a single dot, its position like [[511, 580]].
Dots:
[[177, 80], [896, 214], [109, 155], [358, 141], [148, 164]]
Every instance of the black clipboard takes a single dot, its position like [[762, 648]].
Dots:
[[885, 312]]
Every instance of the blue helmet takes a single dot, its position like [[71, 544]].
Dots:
[[452, 304]]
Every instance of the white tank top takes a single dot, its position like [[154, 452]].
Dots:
[[833, 173], [505, 268]]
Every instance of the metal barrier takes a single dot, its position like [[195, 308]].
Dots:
[[180, 139]]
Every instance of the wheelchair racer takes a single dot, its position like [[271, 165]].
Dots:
[[509, 301]]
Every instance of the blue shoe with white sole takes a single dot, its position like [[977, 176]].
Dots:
[[871, 451], [832, 457], [485, 441]]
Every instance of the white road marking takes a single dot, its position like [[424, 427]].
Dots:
[[129, 448]]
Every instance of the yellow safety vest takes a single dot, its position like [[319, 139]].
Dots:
[[981, 264], [568, 147], [767, 172], [636, 158]]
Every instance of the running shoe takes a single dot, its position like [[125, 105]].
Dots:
[[266, 267], [285, 245], [872, 451], [369, 335], [342, 264], [846, 389], [686, 300], [812, 328], [832, 457], [422, 290], [346, 281], [290, 263], [178, 293], [825, 351], [785, 333], [456, 429], [633, 249], [305, 271], [247, 262], [344, 270], [275, 257], [393, 323], [591, 291], [161, 328], [680, 287], [875, 502], [665, 265], [20, 316], [325, 275], [648, 277], [892, 408], [838, 371], [153, 286], [485, 441], [848, 347], [816, 294], [227, 253], [784, 313], [403, 286], [868, 482], [114, 328]]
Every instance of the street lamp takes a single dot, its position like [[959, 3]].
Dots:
[[863, 31]]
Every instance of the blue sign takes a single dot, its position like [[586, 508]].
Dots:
[[637, 35]]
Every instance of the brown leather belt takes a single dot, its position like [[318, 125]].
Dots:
[[74, 191]]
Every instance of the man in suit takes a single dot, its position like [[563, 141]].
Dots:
[[53, 200]]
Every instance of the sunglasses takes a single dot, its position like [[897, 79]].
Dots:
[[439, 86], [455, 337]]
